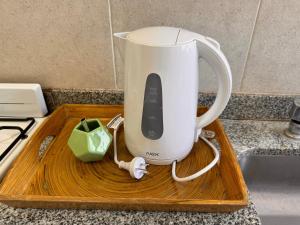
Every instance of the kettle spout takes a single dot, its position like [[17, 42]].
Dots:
[[121, 35]]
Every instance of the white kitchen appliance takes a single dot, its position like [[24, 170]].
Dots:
[[161, 91], [22, 110]]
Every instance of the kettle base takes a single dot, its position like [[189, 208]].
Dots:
[[160, 162]]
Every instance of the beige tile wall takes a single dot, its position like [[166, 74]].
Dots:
[[58, 43], [274, 59], [68, 43]]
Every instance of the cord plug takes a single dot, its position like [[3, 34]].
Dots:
[[136, 167]]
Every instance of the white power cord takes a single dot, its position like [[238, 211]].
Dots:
[[137, 166], [202, 171]]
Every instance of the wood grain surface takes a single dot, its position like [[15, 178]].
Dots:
[[58, 180]]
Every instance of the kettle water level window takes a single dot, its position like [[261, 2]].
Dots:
[[152, 119]]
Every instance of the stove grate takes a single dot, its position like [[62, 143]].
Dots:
[[22, 134]]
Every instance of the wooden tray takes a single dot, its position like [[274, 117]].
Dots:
[[58, 180]]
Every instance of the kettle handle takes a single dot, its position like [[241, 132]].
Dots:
[[209, 50]]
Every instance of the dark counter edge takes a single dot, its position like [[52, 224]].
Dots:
[[240, 106]]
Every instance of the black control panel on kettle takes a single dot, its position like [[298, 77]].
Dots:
[[152, 119]]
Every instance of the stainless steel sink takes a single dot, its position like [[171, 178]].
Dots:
[[274, 184]]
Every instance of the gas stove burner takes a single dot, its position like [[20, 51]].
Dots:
[[22, 135]]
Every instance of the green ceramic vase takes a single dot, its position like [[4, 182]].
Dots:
[[90, 141]]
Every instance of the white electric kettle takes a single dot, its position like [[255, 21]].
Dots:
[[161, 91]]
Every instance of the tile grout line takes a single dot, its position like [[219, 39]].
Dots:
[[250, 45], [112, 44]]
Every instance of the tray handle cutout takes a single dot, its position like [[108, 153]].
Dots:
[[45, 144], [44, 137]]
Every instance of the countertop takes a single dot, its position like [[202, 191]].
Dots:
[[247, 136]]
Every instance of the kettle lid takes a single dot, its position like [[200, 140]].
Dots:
[[161, 36]]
